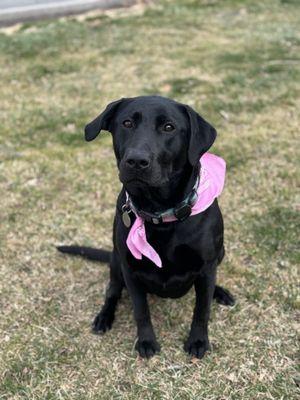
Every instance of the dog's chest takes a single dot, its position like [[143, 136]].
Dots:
[[185, 249], [181, 264], [174, 287]]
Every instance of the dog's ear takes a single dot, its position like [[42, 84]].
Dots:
[[202, 136], [103, 121]]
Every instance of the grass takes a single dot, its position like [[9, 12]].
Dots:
[[237, 62]]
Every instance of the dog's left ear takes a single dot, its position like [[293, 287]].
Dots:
[[202, 137], [103, 121]]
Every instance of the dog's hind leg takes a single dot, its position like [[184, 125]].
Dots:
[[223, 296], [103, 321]]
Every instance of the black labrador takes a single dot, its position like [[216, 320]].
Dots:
[[158, 143]]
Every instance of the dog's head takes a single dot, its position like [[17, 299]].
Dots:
[[154, 138]]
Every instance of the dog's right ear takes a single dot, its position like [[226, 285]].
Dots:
[[103, 121]]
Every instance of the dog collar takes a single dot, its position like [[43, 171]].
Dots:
[[180, 212], [210, 186]]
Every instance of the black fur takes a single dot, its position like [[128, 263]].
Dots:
[[157, 154], [87, 252]]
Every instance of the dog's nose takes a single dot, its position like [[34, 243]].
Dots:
[[137, 160]]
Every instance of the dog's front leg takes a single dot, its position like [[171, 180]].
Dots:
[[197, 343], [146, 343]]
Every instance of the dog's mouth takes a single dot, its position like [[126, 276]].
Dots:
[[139, 182], [134, 181], [142, 180]]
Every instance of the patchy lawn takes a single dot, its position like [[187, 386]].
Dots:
[[237, 62]]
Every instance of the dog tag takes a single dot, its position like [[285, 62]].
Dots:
[[126, 219]]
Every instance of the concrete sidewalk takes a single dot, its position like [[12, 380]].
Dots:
[[13, 11]]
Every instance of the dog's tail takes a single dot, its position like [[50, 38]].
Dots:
[[87, 252]]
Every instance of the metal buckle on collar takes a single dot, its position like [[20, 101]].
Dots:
[[183, 211], [156, 220]]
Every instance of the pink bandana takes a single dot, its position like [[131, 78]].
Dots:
[[211, 184]]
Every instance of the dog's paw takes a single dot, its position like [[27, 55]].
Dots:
[[223, 296], [147, 348], [196, 347], [102, 323]]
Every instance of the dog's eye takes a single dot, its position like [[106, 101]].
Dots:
[[127, 123], [168, 127]]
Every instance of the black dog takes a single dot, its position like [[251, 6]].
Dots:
[[158, 143]]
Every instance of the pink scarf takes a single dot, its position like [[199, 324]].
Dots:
[[212, 177]]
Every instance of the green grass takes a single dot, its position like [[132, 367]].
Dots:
[[237, 63]]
